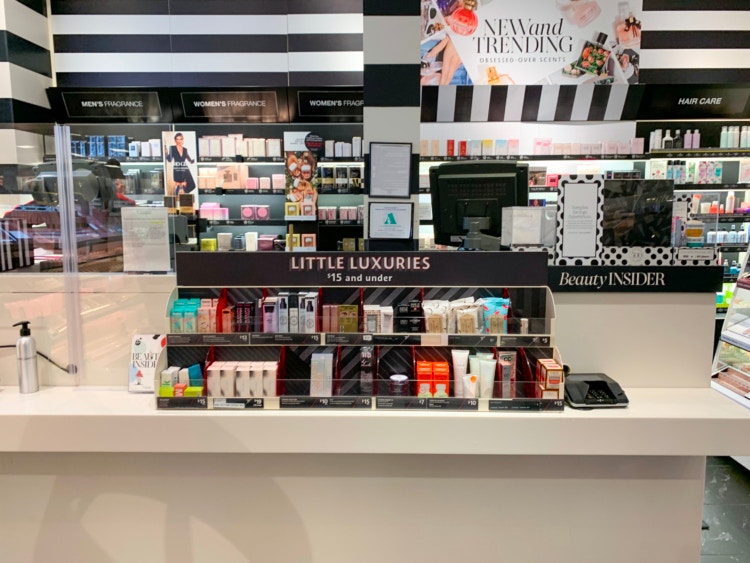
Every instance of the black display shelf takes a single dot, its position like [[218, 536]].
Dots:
[[340, 191], [244, 222], [723, 217], [241, 160], [340, 224], [732, 247], [340, 160], [240, 191], [699, 153], [535, 157]]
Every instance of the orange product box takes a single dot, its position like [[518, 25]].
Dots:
[[424, 379], [441, 379]]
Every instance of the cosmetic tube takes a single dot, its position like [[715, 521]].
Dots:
[[487, 370], [474, 365], [460, 363], [470, 386]]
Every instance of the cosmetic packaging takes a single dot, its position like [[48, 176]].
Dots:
[[26, 359], [228, 377], [424, 379], [677, 141], [386, 320], [321, 375], [366, 370], [627, 27], [696, 139], [282, 308], [146, 150], [348, 320], [668, 141], [294, 313], [213, 379], [227, 319], [506, 370], [441, 377], [579, 12], [371, 315], [311, 313], [729, 206], [474, 365], [487, 370], [270, 315], [269, 378], [688, 139], [594, 56], [398, 385], [224, 241], [724, 137], [155, 147], [470, 386]]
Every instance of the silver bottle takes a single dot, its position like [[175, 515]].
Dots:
[[28, 375]]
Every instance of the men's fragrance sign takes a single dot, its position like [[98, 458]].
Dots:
[[145, 352]]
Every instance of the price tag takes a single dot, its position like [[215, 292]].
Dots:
[[182, 403], [527, 405], [401, 403], [325, 402], [453, 404], [237, 404]]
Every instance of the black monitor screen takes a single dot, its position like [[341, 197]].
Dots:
[[637, 212], [479, 190]]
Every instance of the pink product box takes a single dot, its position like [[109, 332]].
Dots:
[[263, 212], [332, 212], [278, 181], [322, 213], [223, 213], [265, 242], [248, 211], [265, 183], [252, 183]]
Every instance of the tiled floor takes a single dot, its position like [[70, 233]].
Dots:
[[727, 512]]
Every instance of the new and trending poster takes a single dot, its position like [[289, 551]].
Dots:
[[530, 42], [180, 156]]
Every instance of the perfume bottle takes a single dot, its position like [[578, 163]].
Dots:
[[579, 12], [464, 21], [677, 142], [594, 55], [447, 7], [667, 142], [627, 27]]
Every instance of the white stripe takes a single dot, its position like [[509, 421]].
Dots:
[[446, 107], [699, 20], [395, 125], [25, 23], [171, 62], [617, 96], [695, 58], [24, 85], [514, 103], [2, 18], [582, 102], [480, 103], [327, 23], [391, 40], [166, 25], [548, 103], [20, 147], [343, 61]]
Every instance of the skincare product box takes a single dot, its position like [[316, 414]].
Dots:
[[348, 318], [321, 375]]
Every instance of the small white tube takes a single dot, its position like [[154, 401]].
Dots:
[[470, 386], [487, 370], [460, 363]]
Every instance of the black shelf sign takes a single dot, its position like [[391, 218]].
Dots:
[[635, 279], [325, 403], [527, 405], [238, 404], [253, 105], [322, 103], [695, 101], [112, 105]]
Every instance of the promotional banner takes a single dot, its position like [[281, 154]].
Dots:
[[180, 155], [531, 42]]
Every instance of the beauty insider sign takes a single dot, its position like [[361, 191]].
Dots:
[[530, 42]]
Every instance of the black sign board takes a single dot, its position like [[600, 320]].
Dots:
[[634, 279], [261, 105], [91, 105], [691, 101], [361, 269], [328, 105]]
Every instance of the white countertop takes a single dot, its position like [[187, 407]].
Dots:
[[681, 422]]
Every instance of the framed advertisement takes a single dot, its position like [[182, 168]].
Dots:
[[390, 170], [390, 220]]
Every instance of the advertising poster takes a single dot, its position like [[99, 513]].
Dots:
[[302, 180], [180, 156], [530, 42]]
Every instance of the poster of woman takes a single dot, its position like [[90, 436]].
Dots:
[[180, 157]]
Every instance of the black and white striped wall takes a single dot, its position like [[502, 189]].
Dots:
[[695, 42], [391, 78], [193, 43], [25, 73]]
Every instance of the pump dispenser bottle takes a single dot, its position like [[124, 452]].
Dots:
[[28, 375]]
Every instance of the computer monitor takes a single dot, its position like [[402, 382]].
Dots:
[[470, 196]]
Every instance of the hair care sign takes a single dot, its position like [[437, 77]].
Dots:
[[530, 42]]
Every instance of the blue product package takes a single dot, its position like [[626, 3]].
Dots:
[[495, 311], [195, 374], [100, 152]]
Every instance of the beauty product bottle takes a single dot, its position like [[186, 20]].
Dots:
[[726, 267], [730, 204], [724, 138], [627, 27], [736, 137], [26, 360], [594, 55], [744, 137], [667, 142], [688, 140], [677, 141], [732, 235], [579, 12], [670, 170], [464, 21], [696, 139]]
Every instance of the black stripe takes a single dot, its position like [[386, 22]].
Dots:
[[166, 79], [464, 98], [112, 7], [392, 85], [39, 6], [111, 43], [327, 7], [314, 42], [599, 102], [632, 102], [565, 100], [19, 51], [695, 76], [498, 99], [391, 8], [16, 111], [693, 5], [531, 99], [229, 44], [429, 104], [333, 78], [695, 40], [227, 7]]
